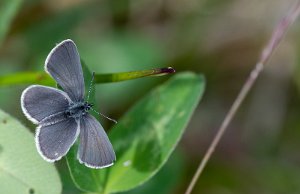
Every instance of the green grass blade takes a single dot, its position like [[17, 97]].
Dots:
[[8, 9]]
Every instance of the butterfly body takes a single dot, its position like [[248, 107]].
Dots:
[[77, 110], [62, 115]]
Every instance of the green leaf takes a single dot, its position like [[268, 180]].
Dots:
[[148, 133], [8, 9], [145, 137], [166, 180], [22, 170]]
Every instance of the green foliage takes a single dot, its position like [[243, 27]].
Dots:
[[8, 9], [145, 137], [22, 170]]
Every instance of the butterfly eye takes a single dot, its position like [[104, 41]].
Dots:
[[68, 113], [87, 108]]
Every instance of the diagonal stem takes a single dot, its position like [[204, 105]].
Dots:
[[276, 38]]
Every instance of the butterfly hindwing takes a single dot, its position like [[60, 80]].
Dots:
[[95, 149], [54, 141]]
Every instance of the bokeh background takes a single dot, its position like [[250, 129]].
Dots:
[[220, 39]]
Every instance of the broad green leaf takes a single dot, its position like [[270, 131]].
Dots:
[[8, 9], [145, 137], [22, 170]]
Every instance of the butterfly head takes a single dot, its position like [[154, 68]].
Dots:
[[88, 106]]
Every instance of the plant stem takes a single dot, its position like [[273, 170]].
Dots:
[[44, 79], [117, 77], [276, 38]]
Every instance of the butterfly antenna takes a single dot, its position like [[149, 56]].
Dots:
[[91, 84], [113, 120]]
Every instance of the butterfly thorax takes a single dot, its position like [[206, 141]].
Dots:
[[77, 110]]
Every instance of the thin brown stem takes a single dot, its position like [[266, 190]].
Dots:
[[276, 38]]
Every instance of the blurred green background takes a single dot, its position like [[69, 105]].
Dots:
[[221, 39]]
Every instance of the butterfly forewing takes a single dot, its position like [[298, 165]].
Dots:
[[40, 102], [63, 64], [95, 149]]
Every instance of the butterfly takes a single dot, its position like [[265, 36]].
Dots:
[[63, 115]]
